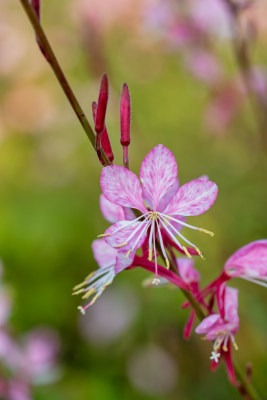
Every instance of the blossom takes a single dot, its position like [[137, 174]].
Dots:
[[249, 262], [160, 204], [96, 282], [221, 329]]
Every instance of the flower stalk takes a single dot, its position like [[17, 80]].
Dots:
[[151, 218], [52, 60]]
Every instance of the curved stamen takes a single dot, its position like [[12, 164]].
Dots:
[[162, 246], [254, 280], [150, 248], [133, 233], [156, 280], [171, 234], [139, 237], [187, 225], [182, 237], [125, 225]]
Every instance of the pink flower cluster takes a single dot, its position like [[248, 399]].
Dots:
[[148, 217], [24, 361], [191, 29]]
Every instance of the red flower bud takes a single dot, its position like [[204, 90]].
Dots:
[[125, 110], [102, 105], [105, 143]]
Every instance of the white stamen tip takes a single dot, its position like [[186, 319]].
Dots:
[[81, 309], [215, 356], [155, 281]]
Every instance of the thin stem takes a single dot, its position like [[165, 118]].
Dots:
[[52, 60], [242, 56]]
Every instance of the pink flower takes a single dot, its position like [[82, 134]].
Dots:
[[39, 355], [249, 262], [160, 204], [204, 66], [221, 330]]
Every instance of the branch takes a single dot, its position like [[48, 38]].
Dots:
[[52, 60]]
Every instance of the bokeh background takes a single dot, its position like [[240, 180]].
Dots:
[[129, 345]]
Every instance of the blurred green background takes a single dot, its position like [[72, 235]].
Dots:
[[129, 345]]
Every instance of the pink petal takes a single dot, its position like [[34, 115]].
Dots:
[[104, 254], [158, 174], [122, 261], [193, 198], [207, 324], [231, 308], [121, 237], [188, 273], [250, 261], [111, 212], [122, 187]]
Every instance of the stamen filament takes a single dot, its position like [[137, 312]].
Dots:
[[171, 234], [254, 280], [156, 280], [187, 225], [162, 246], [127, 223], [150, 251]]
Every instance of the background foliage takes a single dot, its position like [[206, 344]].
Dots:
[[49, 185]]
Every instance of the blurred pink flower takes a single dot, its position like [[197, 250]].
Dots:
[[211, 16], [223, 108], [204, 66], [152, 371], [40, 353], [111, 317]]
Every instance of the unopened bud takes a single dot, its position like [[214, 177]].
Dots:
[[104, 139], [102, 105], [125, 111]]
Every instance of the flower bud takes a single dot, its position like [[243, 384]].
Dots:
[[102, 105], [105, 143], [125, 111]]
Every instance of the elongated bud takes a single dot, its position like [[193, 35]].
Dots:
[[105, 143], [125, 114], [125, 110], [102, 105]]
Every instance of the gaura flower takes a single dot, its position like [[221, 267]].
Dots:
[[249, 262], [96, 282], [221, 330], [160, 204]]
